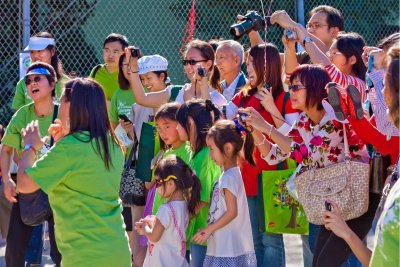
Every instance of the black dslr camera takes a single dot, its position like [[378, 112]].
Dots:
[[135, 52], [252, 21]]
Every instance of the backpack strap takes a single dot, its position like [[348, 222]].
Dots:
[[55, 113], [95, 70]]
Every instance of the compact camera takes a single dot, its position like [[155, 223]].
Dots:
[[201, 71], [290, 35]]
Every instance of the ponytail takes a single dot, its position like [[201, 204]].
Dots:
[[215, 79], [248, 148]]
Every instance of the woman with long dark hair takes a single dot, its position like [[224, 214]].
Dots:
[[81, 174]]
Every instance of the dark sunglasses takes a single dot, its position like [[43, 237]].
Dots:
[[296, 87], [159, 182], [192, 62], [36, 79]]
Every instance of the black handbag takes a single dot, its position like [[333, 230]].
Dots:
[[132, 189], [379, 165], [35, 207]]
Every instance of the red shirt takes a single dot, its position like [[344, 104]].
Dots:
[[249, 172]]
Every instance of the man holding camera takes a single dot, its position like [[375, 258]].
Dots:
[[107, 74]]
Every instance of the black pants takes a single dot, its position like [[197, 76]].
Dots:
[[333, 251], [19, 235]]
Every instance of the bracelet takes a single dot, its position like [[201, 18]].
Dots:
[[270, 132], [262, 142]]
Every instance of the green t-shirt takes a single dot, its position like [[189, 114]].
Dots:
[[21, 97], [207, 171], [184, 152], [84, 197], [121, 103], [386, 251], [109, 81], [23, 116]]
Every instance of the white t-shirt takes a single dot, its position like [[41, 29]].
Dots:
[[234, 239], [169, 250], [217, 99]]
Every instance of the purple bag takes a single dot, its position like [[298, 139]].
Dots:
[[148, 208]]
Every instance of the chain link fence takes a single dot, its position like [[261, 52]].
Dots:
[[156, 26]]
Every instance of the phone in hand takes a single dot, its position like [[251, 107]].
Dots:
[[242, 117], [124, 118], [328, 206]]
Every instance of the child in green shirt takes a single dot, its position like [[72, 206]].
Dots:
[[194, 118]]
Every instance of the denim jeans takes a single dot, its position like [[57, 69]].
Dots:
[[309, 242], [33, 254], [198, 254], [269, 248]]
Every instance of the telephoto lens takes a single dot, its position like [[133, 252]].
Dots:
[[252, 21]]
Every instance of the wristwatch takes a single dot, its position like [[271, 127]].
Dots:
[[307, 40], [29, 146]]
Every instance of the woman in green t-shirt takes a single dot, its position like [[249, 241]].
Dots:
[[40, 81], [42, 48], [194, 118], [81, 175]]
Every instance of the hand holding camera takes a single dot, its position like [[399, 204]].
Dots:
[[132, 54], [282, 18]]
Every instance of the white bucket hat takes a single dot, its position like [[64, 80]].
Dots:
[[39, 43], [152, 63]]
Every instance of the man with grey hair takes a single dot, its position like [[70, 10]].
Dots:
[[229, 58]]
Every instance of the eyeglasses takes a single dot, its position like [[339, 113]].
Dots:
[[296, 87], [159, 182], [192, 62], [35, 79], [315, 26], [333, 53]]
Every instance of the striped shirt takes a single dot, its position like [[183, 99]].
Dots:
[[344, 80]]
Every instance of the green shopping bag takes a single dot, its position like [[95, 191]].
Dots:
[[283, 214], [149, 145]]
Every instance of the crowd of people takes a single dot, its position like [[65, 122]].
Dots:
[[141, 172]]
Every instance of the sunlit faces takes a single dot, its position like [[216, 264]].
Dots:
[[167, 129], [42, 55], [298, 95], [152, 82], [339, 60], [39, 87], [111, 53], [252, 75], [318, 26], [195, 54], [227, 61], [216, 154]]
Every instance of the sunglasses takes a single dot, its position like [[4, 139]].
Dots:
[[159, 182], [36, 79], [296, 87], [192, 62]]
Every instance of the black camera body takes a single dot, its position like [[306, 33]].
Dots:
[[252, 21], [135, 52], [201, 71]]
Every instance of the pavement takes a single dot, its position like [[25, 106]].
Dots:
[[293, 249]]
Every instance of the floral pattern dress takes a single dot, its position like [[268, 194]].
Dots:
[[320, 145]]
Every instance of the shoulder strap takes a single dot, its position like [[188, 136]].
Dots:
[[179, 229], [174, 92], [285, 100], [55, 113], [95, 70], [132, 156]]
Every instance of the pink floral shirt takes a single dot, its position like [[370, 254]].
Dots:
[[320, 145]]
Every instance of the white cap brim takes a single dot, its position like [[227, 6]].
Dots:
[[39, 43]]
